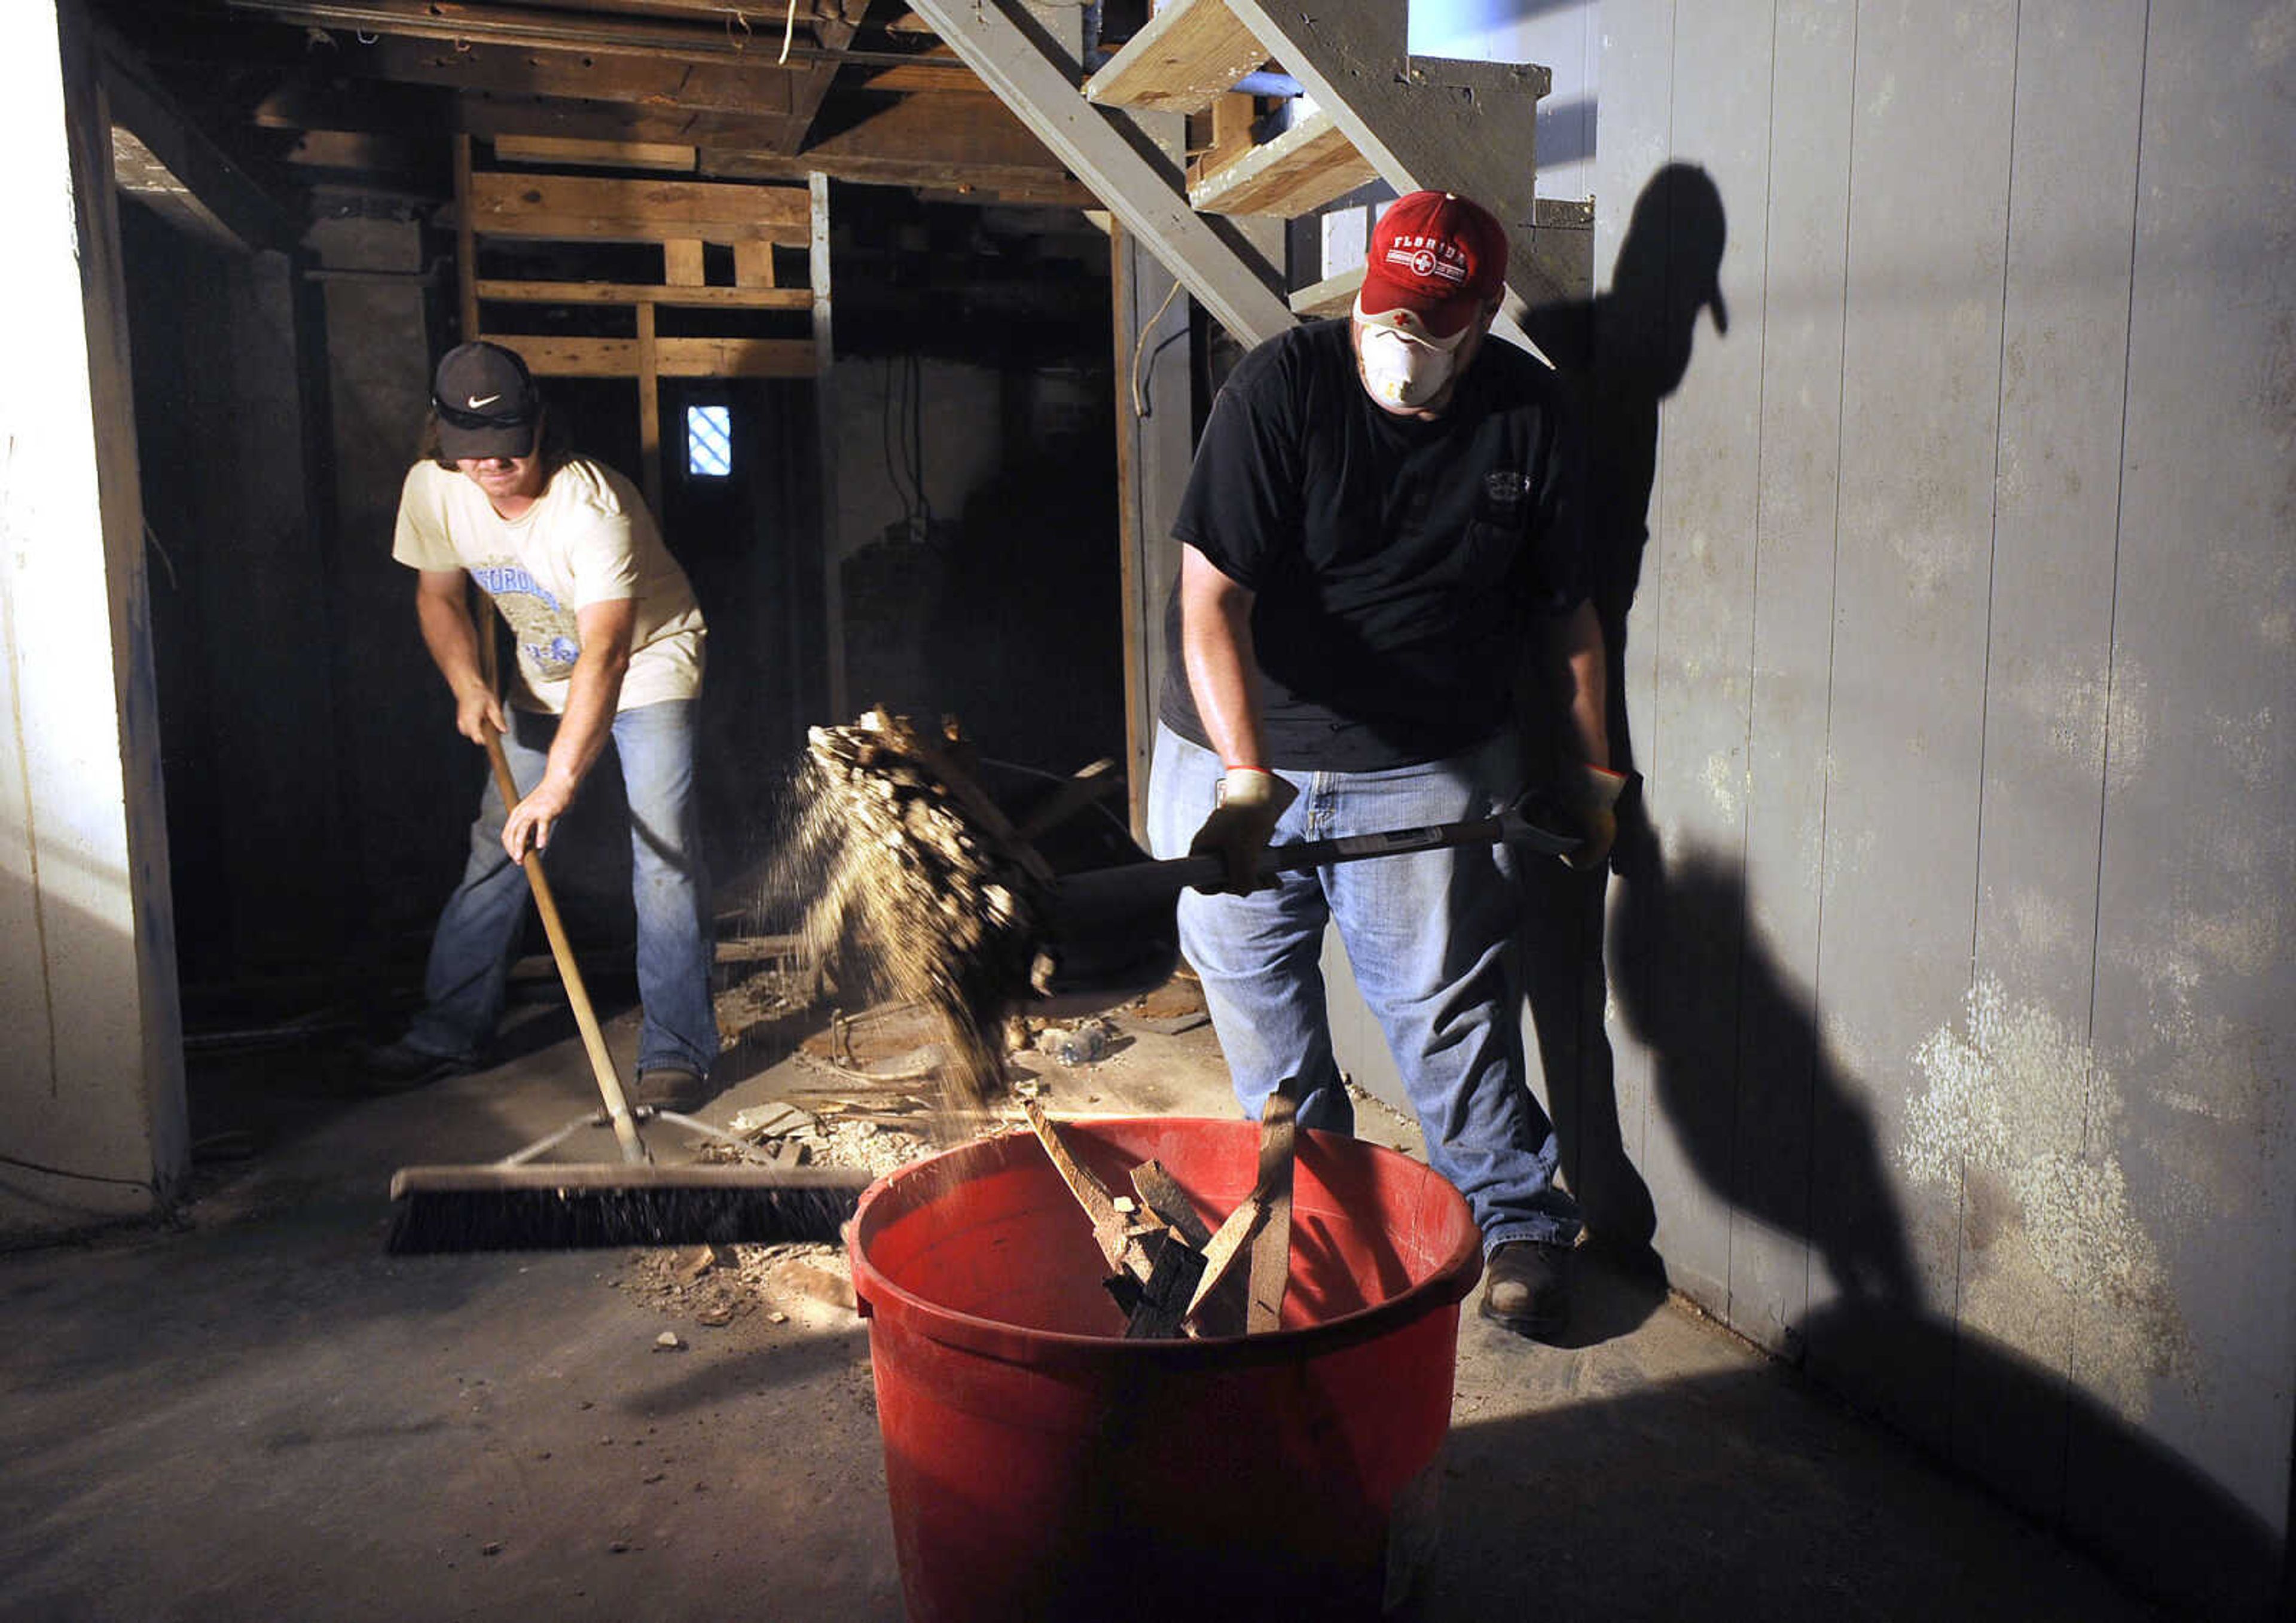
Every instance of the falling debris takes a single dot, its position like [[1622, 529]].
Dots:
[[917, 876]]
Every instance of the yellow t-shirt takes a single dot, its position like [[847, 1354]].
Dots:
[[586, 540]]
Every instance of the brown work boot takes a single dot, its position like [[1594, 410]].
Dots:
[[1526, 1288], [671, 1087]]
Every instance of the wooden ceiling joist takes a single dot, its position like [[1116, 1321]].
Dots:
[[661, 157], [756, 88], [375, 107], [960, 144], [730, 34], [188, 176]]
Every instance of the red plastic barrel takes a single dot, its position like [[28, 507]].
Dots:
[[1041, 1466]]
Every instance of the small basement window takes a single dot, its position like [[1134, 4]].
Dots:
[[710, 441]]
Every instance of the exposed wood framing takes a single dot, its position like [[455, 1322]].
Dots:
[[681, 263], [684, 296], [965, 143], [675, 358], [180, 170], [1142, 191], [138, 173], [587, 208], [518, 27], [466, 249], [664, 156], [824, 356]]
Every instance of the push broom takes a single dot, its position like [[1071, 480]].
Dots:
[[523, 1203]]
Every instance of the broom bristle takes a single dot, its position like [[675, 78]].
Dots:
[[451, 1210]]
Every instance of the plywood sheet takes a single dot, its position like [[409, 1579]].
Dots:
[[1704, 562], [2196, 972], [1781, 1061], [2015, 1059], [1928, 220]]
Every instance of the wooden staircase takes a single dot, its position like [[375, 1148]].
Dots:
[[1188, 60], [1372, 111]]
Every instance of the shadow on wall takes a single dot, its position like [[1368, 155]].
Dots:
[[1765, 1121]]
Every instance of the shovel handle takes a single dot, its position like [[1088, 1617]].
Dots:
[[1141, 883]]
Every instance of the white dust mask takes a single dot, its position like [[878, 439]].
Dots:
[[1400, 372]]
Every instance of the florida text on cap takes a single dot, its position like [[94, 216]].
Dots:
[[1436, 259]]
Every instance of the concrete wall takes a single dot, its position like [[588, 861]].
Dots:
[[1002, 613], [1950, 978], [91, 1081]]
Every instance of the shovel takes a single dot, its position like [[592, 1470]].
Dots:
[[1115, 930]]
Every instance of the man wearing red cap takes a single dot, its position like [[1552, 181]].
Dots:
[[610, 649], [1383, 514]]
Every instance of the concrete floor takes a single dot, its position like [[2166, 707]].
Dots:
[[256, 1414]]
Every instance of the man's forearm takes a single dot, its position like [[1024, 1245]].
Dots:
[[1216, 652], [1584, 664], [592, 694], [452, 640]]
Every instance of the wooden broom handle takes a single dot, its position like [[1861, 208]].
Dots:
[[570, 974]]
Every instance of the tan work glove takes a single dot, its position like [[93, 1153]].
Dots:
[[1244, 812], [1595, 792]]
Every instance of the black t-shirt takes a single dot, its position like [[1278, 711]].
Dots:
[[1396, 563]]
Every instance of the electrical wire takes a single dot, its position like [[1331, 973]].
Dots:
[[902, 433], [1139, 392]]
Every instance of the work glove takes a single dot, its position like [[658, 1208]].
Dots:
[[1244, 810], [1594, 793]]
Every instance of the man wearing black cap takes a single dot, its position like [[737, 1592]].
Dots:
[[609, 645], [1383, 514]]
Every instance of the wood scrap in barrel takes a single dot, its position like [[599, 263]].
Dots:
[[1271, 1247]]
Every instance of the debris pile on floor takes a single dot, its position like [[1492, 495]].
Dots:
[[810, 1286], [914, 869]]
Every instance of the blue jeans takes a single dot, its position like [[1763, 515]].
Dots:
[[480, 932], [1429, 935]]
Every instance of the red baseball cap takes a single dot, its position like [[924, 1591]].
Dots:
[[1436, 260]]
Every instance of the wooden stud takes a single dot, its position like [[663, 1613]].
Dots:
[[753, 265], [825, 416], [466, 253], [681, 263], [649, 411]]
